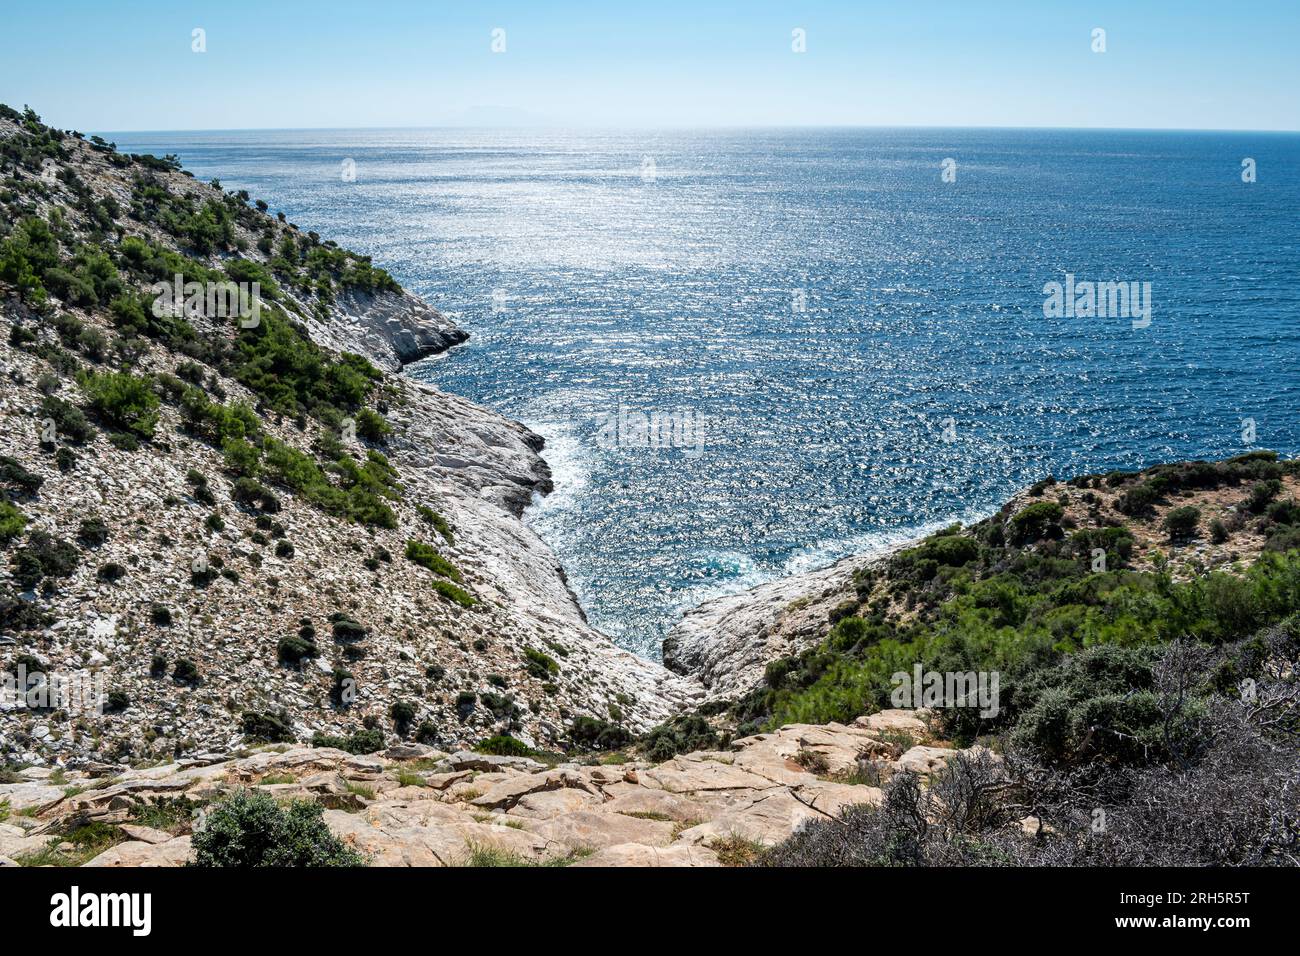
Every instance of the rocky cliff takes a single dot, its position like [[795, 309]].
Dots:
[[263, 532]]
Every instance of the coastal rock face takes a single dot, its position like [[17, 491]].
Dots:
[[417, 806], [728, 641], [392, 329]]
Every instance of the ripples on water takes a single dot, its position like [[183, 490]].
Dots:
[[824, 429]]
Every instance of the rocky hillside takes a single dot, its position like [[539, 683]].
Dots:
[[259, 530], [1239, 510]]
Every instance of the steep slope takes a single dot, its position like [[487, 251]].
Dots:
[[250, 526]]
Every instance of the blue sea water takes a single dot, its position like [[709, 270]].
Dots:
[[863, 344]]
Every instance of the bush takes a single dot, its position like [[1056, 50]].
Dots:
[[241, 458], [540, 665], [185, 671], [503, 745], [124, 400], [12, 522], [346, 629], [683, 734], [1181, 523], [1037, 521], [403, 713], [69, 421], [362, 742], [372, 426], [1138, 501], [426, 557], [455, 594], [1261, 494], [273, 728], [250, 829], [593, 733], [93, 532], [293, 650], [43, 556], [439, 523], [15, 476]]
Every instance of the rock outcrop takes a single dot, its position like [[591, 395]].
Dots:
[[416, 806], [392, 329], [726, 642]]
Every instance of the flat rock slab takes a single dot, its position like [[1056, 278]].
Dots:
[[587, 830], [550, 803], [145, 834], [638, 854], [174, 852]]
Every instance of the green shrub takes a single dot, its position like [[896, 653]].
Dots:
[[503, 745], [13, 475], [69, 421], [1261, 494], [425, 556], [1036, 521], [124, 400], [12, 522], [540, 665], [185, 671], [372, 426], [438, 521], [43, 556], [241, 458], [683, 734], [596, 734], [273, 728], [1181, 523], [250, 829], [454, 594], [403, 713], [1139, 500], [346, 629], [93, 532], [293, 650], [362, 742]]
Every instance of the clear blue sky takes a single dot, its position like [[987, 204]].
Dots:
[[127, 64]]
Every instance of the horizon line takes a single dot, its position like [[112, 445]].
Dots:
[[559, 127]]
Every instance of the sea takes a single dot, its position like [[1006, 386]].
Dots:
[[753, 352]]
